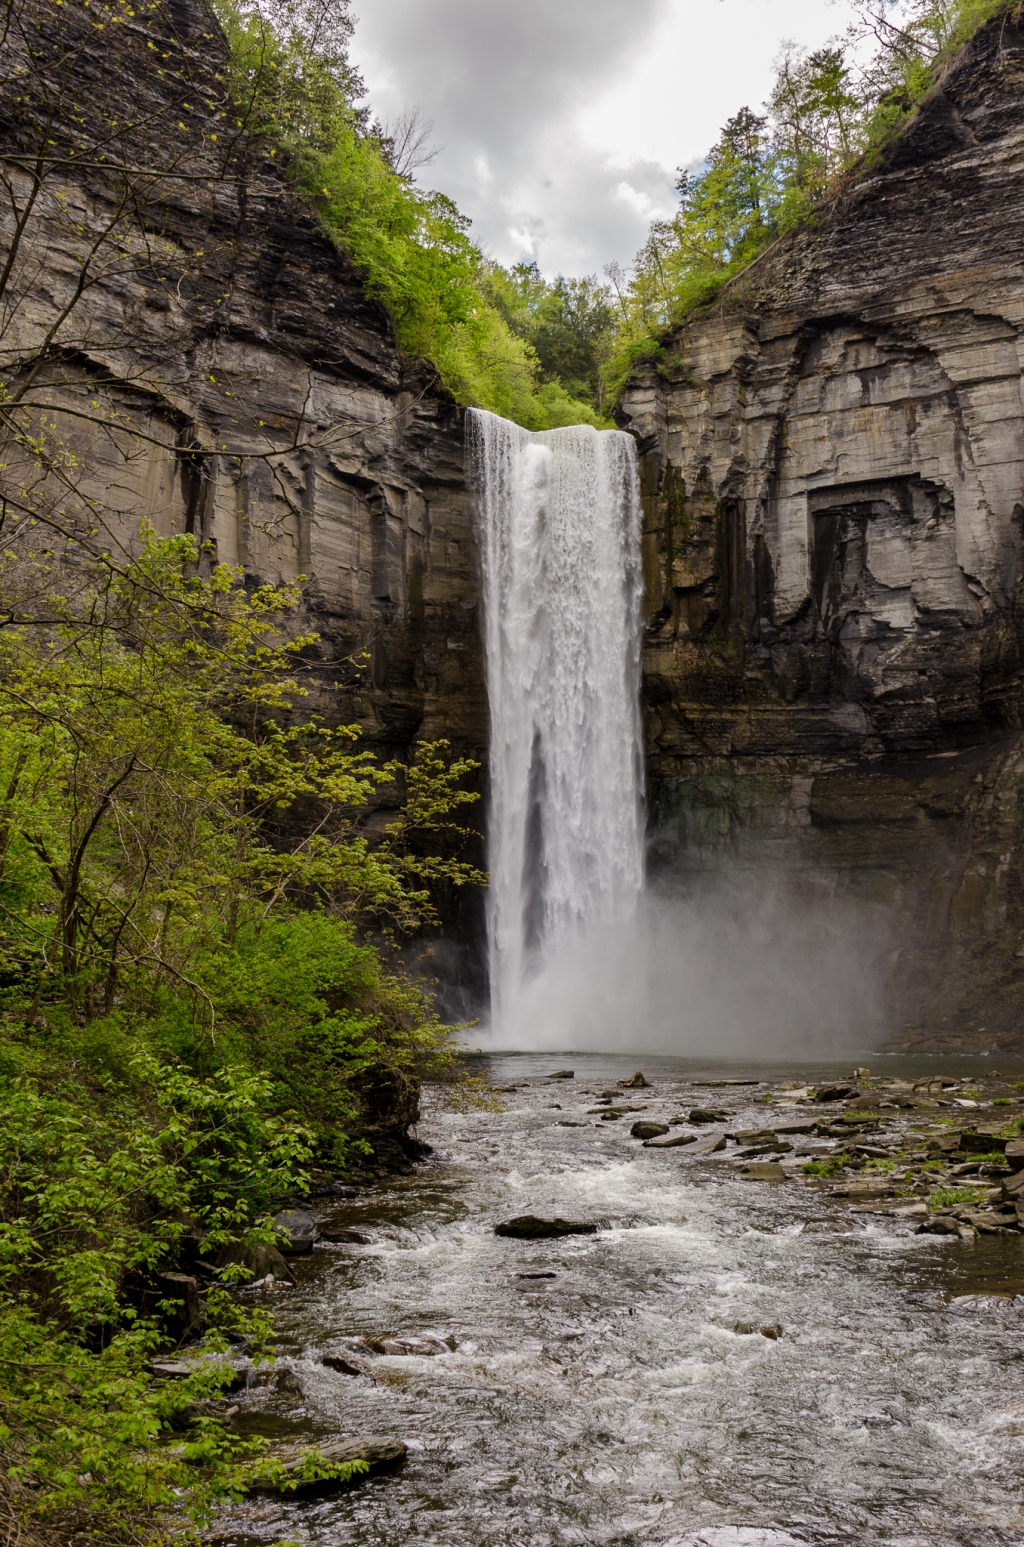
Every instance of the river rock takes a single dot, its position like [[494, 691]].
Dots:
[[342, 1366], [760, 1171], [637, 1082], [938, 1224], [753, 1135], [378, 1452], [260, 1260], [563, 1074], [708, 1115], [343, 1236], [772, 1147], [772, 1330], [643, 1130], [295, 1231], [528, 1227], [980, 1142], [424, 1347], [986, 1305], [670, 1141], [709, 1146], [797, 1125], [1015, 1154], [833, 1092]]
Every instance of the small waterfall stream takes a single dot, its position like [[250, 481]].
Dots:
[[560, 543]]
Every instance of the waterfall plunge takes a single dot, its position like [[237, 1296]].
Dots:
[[560, 542]]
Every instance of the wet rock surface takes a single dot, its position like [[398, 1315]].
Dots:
[[726, 1357]]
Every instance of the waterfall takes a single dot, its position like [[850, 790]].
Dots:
[[560, 543]]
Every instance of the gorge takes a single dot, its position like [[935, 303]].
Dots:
[[732, 695], [831, 466]]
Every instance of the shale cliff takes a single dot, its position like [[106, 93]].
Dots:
[[833, 477], [217, 367], [210, 363]]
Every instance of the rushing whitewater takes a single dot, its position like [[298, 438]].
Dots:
[[560, 542]]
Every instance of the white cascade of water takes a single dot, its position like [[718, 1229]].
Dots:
[[560, 542]]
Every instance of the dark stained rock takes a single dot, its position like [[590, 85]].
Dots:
[[708, 1115], [833, 1092], [342, 1366], [938, 1224], [636, 1082], [562, 1074], [527, 1227], [343, 1236], [1015, 1154], [772, 1330], [754, 1135], [669, 1141], [184, 1316], [646, 1130], [295, 1231]]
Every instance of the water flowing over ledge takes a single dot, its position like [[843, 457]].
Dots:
[[559, 522]]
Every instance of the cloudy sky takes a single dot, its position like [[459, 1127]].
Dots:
[[563, 121]]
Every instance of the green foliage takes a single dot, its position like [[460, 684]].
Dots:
[[188, 1011], [568, 325], [947, 1197], [827, 1166], [412, 247]]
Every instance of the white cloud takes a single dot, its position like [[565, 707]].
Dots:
[[563, 121]]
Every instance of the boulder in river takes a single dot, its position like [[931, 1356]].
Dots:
[[833, 1092], [670, 1141], [295, 1231], [563, 1074], [645, 1130], [528, 1227], [708, 1115], [379, 1453], [342, 1366], [260, 1260], [636, 1082]]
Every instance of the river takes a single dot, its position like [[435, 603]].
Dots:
[[628, 1396]]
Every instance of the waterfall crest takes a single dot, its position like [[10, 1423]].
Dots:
[[560, 544]]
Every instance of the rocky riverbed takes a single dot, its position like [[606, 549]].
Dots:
[[789, 1308]]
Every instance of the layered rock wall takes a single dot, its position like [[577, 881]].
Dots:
[[834, 488]]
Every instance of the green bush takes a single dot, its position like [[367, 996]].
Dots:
[[189, 1014]]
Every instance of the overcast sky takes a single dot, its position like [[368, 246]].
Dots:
[[563, 121]]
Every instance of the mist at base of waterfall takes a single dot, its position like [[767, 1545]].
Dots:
[[741, 963]]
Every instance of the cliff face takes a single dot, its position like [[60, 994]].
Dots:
[[214, 319], [834, 488]]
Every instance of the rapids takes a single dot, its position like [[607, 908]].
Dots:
[[630, 1398]]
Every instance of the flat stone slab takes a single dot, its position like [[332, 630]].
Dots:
[[709, 1146], [670, 1141], [798, 1125]]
